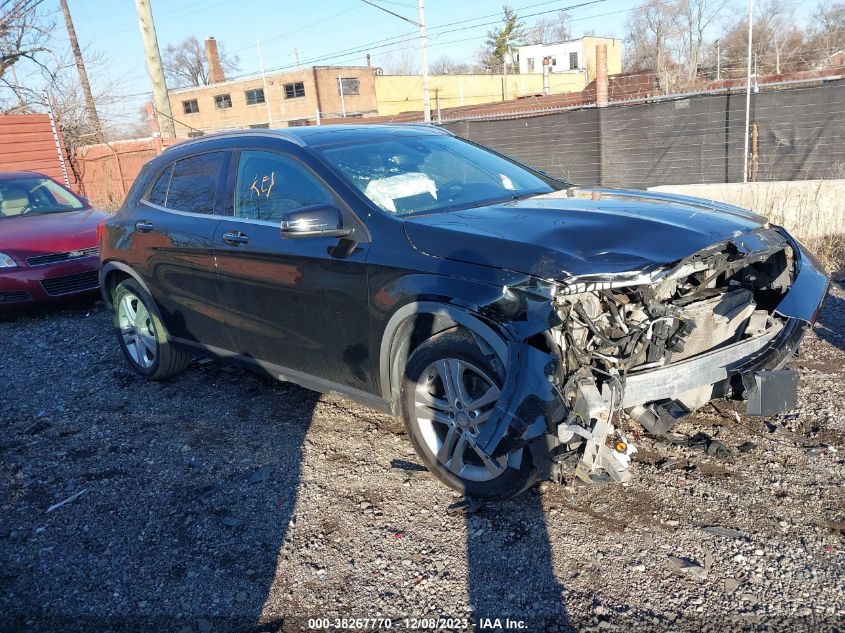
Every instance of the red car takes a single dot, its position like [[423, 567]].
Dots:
[[48, 241]]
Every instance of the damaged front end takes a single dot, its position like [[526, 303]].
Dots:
[[588, 354]]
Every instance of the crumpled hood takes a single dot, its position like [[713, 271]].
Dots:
[[580, 231]]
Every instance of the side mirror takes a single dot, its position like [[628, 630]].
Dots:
[[316, 221]]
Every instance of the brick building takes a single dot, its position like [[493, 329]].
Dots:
[[274, 100]]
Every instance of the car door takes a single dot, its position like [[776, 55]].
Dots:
[[174, 228], [297, 304]]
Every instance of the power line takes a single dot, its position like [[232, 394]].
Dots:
[[405, 38], [401, 17]]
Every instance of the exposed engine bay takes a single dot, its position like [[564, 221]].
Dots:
[[653, 346]]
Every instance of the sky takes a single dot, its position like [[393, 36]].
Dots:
[[320, 32]]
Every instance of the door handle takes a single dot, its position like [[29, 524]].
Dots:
[[235, 238], [144, 226]]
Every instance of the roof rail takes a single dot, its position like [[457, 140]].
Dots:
[[273, 132], [429, 126]]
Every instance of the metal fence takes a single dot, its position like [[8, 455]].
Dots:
[[797, 133]]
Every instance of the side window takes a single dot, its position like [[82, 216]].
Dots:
[[158, 194], [193, 185], [269, 185]]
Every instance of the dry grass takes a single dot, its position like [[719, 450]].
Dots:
[[830, 249]]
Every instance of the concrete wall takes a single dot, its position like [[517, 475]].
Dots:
[[321, 92], [808, 208], [403, 93]]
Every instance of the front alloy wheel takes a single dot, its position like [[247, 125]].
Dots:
[[454, 399], [449, 391]]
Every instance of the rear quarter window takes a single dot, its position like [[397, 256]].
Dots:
[[194, 182], [190, 184], [158, 192]]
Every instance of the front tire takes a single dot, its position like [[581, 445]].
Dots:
[[142, 335], [449, 391]]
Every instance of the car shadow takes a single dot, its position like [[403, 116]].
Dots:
[[830, 326], [181, 491], [189, 487], [505, 541], [509, 539]]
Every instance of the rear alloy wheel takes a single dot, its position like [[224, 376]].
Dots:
[[137, 329], [142, 335], [449, 392]]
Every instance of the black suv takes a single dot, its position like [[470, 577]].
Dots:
[[508, 317]]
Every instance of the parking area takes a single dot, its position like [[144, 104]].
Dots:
[[222, 501]]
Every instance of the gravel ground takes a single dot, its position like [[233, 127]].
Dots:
[[222, 501]]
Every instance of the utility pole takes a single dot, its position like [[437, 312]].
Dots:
[[424, 64], [342, 101], [264, 82], [748, 88], [718, 60], [296, 55], [423, 51], [156, 70], [83, 75]]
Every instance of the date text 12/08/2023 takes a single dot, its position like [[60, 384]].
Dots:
[[417, 624]]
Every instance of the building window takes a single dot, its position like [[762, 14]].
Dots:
[[221, 102], [190, 106], [254, 96], [299, 123], [259, 126], [573, 61], [529, 61], [294, 90], [350, 85]]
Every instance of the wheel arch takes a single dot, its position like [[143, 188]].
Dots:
[[111, 274], [417, 321]]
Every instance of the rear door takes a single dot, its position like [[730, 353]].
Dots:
[[174, 234], [298, 304]]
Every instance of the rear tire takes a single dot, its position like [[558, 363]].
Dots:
[[142, 335], [444, 415]]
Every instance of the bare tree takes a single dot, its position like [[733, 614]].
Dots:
[[445, 65], [401, 62], [185, 63], [649, 40], [826, 34], [23, 34], [778, 44], [694, 18], [672, 38], [24, 37], [547, 30]]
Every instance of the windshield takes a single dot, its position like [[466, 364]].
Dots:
[[34, 195], [425, 174]]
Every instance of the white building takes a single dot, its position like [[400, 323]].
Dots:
[[576, 55]]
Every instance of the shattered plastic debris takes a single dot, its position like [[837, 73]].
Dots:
[[688, 567]]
